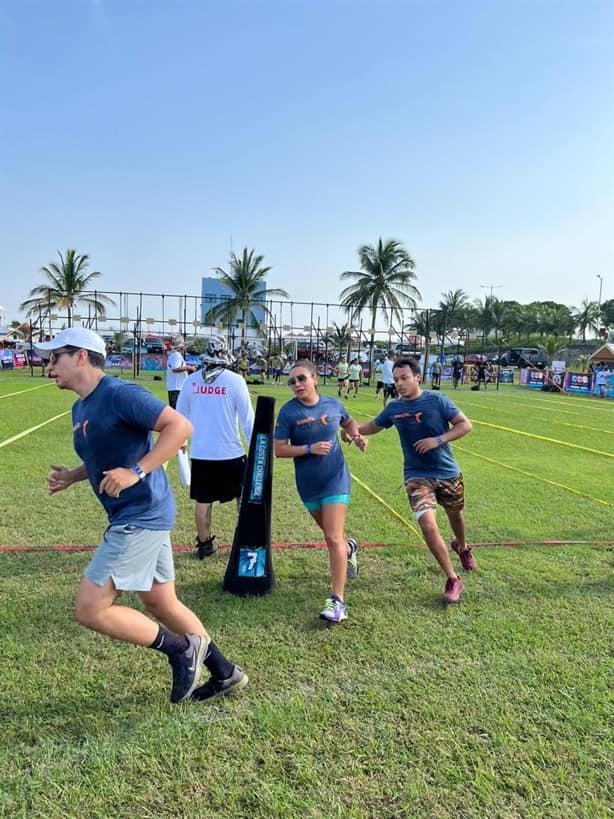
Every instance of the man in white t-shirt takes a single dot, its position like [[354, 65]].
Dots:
[[216, 401], [388, 378], [176, 371]]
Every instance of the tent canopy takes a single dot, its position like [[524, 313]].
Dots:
[[605, 353]]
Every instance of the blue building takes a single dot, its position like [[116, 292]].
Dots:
[[214, 292]]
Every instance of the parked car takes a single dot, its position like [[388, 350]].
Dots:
[[524, 357], [154, 344], [476, 358]]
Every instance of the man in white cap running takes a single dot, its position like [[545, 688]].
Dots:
[[112, 423]]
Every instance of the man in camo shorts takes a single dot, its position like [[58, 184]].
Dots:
[[427, 422]]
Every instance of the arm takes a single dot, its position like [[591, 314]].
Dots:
[[460, 425], [245, 411], [369, 428], [350, 434], [61, 478], [173, 430], [285, 450]]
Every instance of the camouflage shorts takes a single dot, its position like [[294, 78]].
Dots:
[[425, 493]]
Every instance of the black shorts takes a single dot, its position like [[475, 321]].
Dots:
[[173, 395], [389, 391], [217, 480]]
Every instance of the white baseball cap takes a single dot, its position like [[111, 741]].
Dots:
[[77, 337]]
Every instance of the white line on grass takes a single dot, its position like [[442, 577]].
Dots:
[[32, 429], [21, 392]]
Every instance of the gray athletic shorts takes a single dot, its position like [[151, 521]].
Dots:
[[134, 558]]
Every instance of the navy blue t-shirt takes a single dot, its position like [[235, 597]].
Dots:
[[427, 416], [112, 428], [317, 476]]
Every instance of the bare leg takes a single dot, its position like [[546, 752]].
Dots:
[[95, 609], [457, 522], [435, 542], [202, 514], [162, 603], [331, 519]]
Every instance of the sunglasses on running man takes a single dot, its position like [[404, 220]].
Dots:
[[53, 357]]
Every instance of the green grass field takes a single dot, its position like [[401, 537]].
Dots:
[[498, 707]]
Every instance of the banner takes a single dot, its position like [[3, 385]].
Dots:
[[506, 375], [578, 383], [533, 378], [12, 358]]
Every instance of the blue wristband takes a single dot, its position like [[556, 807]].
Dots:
[[308, 449], [142, 475], [439, 441]]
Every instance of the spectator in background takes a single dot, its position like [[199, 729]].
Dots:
[[379, 384], [436, 374], [388, 378], [480, 371], [601, 380], [242, 364], [457, 372], [342, 372], [354, 376], [176, 371], [263, 367]]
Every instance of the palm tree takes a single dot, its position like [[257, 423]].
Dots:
[[383, 282], [586, 317], [452, 314], [66, 285], [341, 338], [245, 283]]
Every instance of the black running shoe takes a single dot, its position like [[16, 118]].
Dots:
[[220, 688], [205, 548], [187, 667]]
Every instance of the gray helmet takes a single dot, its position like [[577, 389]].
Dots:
[[216, 353]]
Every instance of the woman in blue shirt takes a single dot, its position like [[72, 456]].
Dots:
[[307, 430]]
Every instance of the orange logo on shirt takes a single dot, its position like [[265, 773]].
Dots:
[[307, 420]]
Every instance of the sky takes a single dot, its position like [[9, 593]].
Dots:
[[156, 136]]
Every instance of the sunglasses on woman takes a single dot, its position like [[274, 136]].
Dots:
[[299, 378]]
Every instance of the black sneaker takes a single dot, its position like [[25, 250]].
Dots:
[[187, 667], [205, 548], [220, 688]]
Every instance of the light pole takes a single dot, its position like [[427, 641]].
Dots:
[[491, 287], [600, 277]]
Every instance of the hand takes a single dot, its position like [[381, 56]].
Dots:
[[58, 479], [425, 445], [361, 443], [321, 448], [346, 437], [115, 480]]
